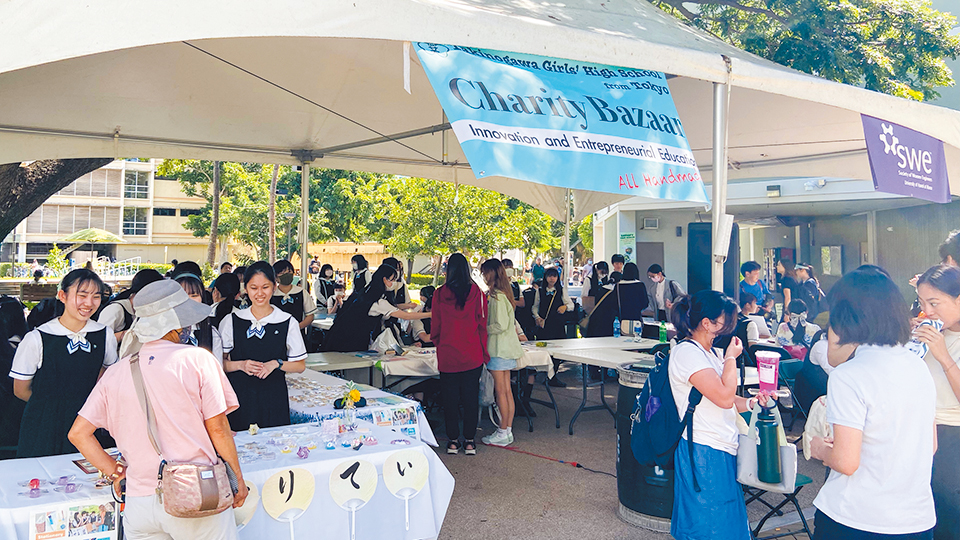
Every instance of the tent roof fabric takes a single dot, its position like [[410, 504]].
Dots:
[[253, 81]]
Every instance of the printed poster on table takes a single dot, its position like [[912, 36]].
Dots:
[[76, 520], [563, 123], [906, 162]]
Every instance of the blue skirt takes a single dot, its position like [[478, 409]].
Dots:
[[717, 512]]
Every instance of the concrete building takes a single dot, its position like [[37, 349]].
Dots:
[[125, 197]]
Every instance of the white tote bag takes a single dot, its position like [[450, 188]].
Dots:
[[747, 458]]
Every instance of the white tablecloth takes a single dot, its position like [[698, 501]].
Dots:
[[404, 415], [381, 518], [423, 362]]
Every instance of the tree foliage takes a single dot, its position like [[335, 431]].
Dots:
[[584, 231], [410, 216], [896, 47]]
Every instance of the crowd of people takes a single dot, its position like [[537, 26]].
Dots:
[[214, 359]]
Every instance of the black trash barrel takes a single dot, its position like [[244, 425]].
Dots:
[[645, 493]]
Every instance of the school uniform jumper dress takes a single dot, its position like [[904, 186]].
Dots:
[[262, 401], [59, 388], [554, 326]]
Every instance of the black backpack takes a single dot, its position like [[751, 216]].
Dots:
[[656, 428]]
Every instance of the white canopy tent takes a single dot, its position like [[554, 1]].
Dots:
[[321, 82]]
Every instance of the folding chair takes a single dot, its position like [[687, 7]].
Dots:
[[756, 495]]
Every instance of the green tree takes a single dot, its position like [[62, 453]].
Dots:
[[584, 231], [57, 261], [896, 47], [244, 202]]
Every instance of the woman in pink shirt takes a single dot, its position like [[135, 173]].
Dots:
[[190, 396]]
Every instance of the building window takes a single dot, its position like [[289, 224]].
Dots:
[[135, 221], [184, 212], [165, 211], [136, 184]]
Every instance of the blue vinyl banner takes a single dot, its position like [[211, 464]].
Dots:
[[563, 123]]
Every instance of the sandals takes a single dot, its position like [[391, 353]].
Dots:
[[469, 447], [453, 448]]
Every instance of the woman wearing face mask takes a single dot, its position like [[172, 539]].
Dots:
[[361, 273], [292, 298], [662, 294], [939, 292], [261, 344], [593, 287], [323, 287], [360, 320], [420, 329], [70, 348], [797, 330]]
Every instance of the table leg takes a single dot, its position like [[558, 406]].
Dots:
[[522, 404], [552, 404], [603, 399], [583, 402]]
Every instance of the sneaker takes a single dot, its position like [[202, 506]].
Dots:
[[498, 438], [453, 448], [469, 447]]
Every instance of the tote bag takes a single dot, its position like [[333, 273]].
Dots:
[[747, 458]]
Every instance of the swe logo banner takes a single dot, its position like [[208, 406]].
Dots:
[[563, 123], [906, 162]]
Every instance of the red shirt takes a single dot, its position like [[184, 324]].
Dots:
[[459, 334]]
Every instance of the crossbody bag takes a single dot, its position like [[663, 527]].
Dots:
[[187, 490]]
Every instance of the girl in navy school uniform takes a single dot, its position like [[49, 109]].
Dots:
[[58, 364], [260, 344]]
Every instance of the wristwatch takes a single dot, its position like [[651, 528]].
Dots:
[[279, 362]]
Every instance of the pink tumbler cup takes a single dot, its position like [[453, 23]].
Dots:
[[768, 366]]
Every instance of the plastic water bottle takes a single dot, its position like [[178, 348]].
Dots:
[[637, 330], [663, 332], [616, 327]]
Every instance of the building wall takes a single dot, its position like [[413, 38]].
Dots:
[[907, 239], [850, 232]]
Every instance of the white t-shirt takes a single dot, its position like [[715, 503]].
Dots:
[[818, 355], [948, 407], [113, 315], [29, 356], [889, 395], [296, 350], [712, 426]]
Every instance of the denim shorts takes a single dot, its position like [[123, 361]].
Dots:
[[501, 364]]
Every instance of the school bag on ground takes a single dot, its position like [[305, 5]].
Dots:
[[656, 427]]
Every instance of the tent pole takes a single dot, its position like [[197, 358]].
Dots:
[[720, 103], [567, 262], [304, 221]]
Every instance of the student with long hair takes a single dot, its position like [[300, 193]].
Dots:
[[261, 344], [716, 510], [503, 346], [788, 281], [593, 287], [939, 292], [58, 364], [362, 276], [360, 320], [13, 327], [225, 293], [550, 305], [460, 332], [118, 314], [323, 287], [882, 404]]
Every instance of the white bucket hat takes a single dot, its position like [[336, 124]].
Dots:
[[160, 307]]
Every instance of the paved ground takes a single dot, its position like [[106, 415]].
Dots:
[[504, 494]]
